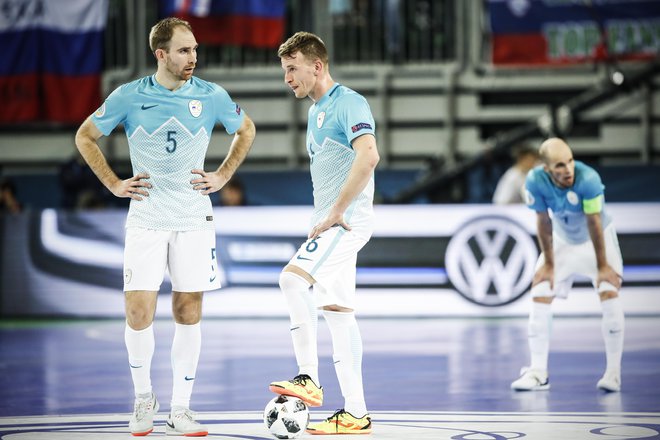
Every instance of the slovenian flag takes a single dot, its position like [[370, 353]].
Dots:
[[539, 32], [53, 59], [251, 23]]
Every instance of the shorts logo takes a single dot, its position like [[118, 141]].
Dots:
[[572, 198], [490, 260], [195, 107], [360, 126], [238, 109], [128, 275], [319, 119], [101, 111]]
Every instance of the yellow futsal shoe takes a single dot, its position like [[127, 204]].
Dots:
[[341, 422], [303, 387]]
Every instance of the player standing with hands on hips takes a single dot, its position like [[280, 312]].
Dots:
[[168, 118], [343, 155], [579, 239]]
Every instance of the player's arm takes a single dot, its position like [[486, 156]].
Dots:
[[366, 159], [605, 271], [544, 236], [238, 150], [86, 142]]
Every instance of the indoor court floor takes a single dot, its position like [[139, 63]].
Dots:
[[431, 378]]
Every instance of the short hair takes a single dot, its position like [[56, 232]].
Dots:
[[161, 33], [308, 44]]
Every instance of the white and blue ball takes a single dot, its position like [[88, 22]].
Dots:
[[286, 417]]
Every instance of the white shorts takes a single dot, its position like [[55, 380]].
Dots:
[[331, 260], [188, 256], [572, 260]]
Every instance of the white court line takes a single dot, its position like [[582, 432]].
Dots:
[[387, 425]]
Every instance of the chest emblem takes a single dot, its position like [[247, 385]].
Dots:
[[319, 119], [195, 107], [572, 198]]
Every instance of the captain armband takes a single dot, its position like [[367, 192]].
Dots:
[[593, 206]]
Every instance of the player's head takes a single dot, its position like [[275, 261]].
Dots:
[[173, 44], [558, 161], [304, 60]]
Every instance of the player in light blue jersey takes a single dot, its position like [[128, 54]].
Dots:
[[168, 118], [343, 155], [577, 239]]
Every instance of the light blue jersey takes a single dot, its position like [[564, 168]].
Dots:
[[168, 135], [567, 204], [338, 118]]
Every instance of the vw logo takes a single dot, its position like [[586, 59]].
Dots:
[[491, 260]]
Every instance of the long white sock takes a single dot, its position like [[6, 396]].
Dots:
[[140, 346], [186, 347], [538, 336], [612, 326], [304, 323], [347, 355]]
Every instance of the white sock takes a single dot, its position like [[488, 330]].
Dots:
[[539, 328], [347, 355], [612, 327], [304, 323], [140, 346], [186, 347]]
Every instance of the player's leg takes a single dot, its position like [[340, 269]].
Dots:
[[192, 265], [335, 293], [613, 320], [144, 266], [535, 377]]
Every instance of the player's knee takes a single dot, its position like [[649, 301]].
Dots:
[[607, 291], [139, 318], [542, 292], [187, 309], [337, 308], [292, 282]]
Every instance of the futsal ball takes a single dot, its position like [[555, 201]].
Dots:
[[286, 417]]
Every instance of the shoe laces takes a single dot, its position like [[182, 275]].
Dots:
[[142, 407], [301, 379], [184, 414], [337, 415]]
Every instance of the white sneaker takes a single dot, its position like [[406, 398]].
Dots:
[[611, 381], [531, 380], [182, 422], [142, 420]]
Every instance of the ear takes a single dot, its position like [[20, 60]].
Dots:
[[159, 54], [318, 67]]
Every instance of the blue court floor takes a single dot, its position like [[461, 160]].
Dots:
[[424, 378]]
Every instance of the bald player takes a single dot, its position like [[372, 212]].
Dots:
[[577, 239]]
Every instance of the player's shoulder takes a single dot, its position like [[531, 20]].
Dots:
[[586, 176], [205, 87], [536, 176], [347, 96]]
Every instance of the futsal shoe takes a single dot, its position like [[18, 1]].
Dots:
[[341, 422], [611, 382], [182, 422], [302, 386], [142, 420], [531, 380]]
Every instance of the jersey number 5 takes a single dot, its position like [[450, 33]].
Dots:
[[170, 138]]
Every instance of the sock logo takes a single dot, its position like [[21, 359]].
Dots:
[[189, 378]]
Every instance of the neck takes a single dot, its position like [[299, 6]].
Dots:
[[166, 80], [324, 84]]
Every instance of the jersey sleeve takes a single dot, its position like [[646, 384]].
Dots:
[[112, 112], [356, 117], [592, 192], [533, 193], [227, 112]]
